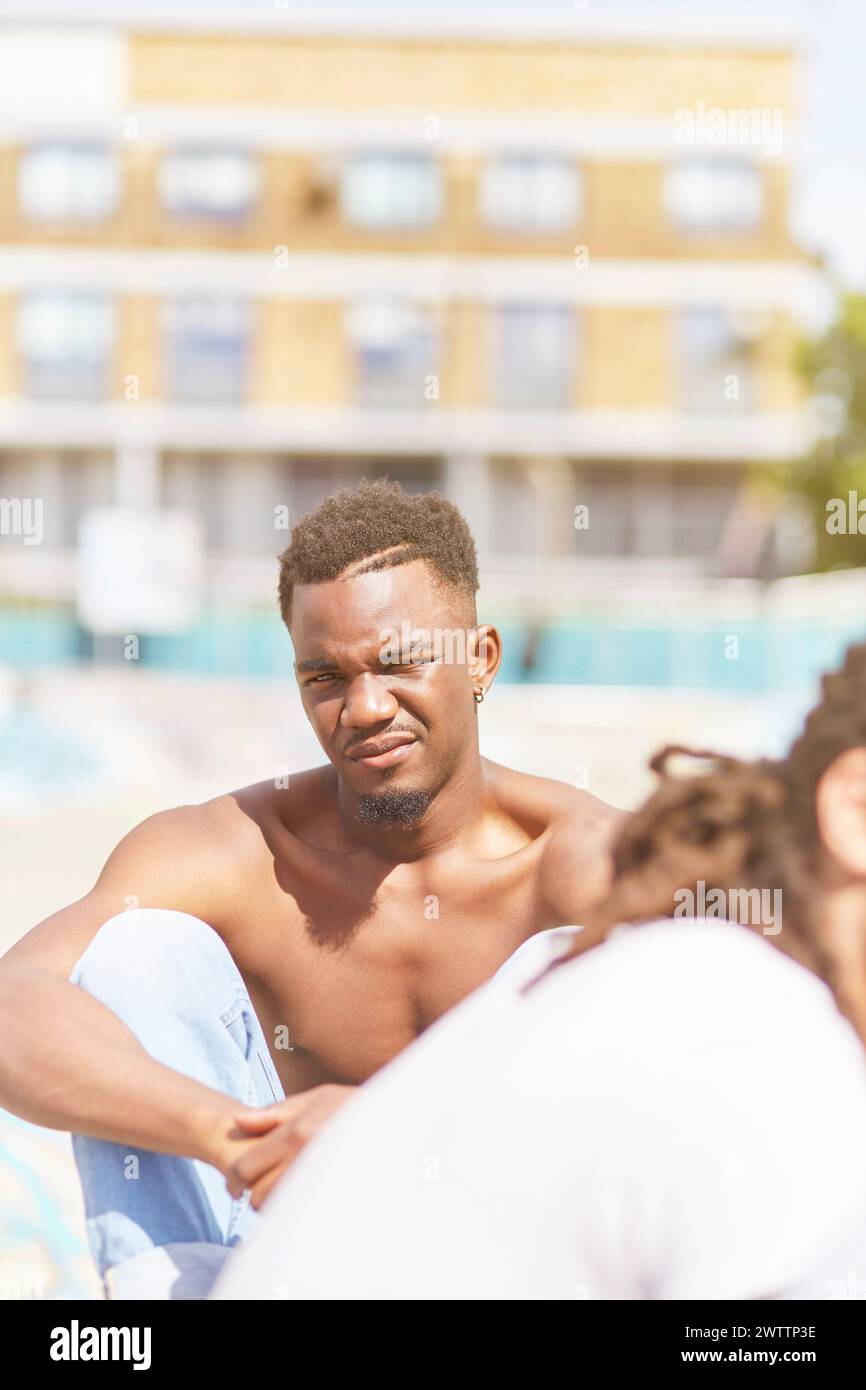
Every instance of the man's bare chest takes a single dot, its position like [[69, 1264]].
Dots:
[[343, 986]]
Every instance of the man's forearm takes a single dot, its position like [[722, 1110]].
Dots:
[[68, 1062]]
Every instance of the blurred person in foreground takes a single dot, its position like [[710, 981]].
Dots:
[[676, 1110], [283, 942]]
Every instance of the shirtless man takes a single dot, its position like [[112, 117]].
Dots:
[[357, 904]]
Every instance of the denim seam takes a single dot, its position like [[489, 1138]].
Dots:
[[229, 1015], [270, 1073]]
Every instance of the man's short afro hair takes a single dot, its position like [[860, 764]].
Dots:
[[380, 523]]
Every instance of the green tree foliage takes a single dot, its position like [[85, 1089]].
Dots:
[[835, 367]]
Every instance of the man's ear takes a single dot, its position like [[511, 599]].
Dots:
[[485, 657], [840, 809]]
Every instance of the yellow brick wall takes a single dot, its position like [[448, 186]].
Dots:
[[626, 359], [300, 350], [301, 354], [435, 76], [134, 222], [8, 193], [138, 362], [10, 384], [462, 375], [624, 215], [627, 216]]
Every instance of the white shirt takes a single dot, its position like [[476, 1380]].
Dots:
[[681, 1112]]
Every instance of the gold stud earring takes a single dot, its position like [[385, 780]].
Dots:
[[479, 694]]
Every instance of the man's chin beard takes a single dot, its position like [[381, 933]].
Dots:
[[398, 808]]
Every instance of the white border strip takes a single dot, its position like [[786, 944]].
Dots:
[[582, 134], [646, 23], [431, 432], [793, 284]]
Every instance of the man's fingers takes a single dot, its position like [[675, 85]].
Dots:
[[262, 1156], [266, 1185], [258, 1121], [284, 1128], [270, 1151]]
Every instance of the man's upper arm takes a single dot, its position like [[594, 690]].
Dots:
[[158, 864]]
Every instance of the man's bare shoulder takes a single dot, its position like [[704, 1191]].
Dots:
[[208, 858], [576, 831], [215, 826], [551, 806], [185, 857], [235, 824], [295, 802]]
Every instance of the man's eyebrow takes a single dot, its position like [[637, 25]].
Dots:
[[315, 663]]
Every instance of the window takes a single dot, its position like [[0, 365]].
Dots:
[[382, 191], [605, 490], [515, 522], [65, 342], [534, 356], [715, 364], [207, 349], [68, 183], [653, 512], [219, 184], [531, 193], [703, 501], [396, 348], [714, 195]]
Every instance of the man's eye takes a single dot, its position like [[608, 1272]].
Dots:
[[325, 676]]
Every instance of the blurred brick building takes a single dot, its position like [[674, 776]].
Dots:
[[248, 254]]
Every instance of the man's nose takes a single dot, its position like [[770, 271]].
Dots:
[[368, 701]]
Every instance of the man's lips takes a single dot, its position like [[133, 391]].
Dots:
[[384, 751]]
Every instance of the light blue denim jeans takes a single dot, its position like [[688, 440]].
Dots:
[[160, 1226]]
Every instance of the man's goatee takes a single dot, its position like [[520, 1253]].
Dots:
[[393, 807]]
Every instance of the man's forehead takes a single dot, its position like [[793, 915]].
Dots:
[[353, 605]]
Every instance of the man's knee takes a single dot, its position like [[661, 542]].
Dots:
[[171, 979], [152, 951]]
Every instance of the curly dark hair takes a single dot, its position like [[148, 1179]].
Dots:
[[739, 824], [379, 523]]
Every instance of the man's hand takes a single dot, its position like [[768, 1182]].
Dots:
[[279, 1132]]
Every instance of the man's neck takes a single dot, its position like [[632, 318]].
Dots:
[[453, 813]]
